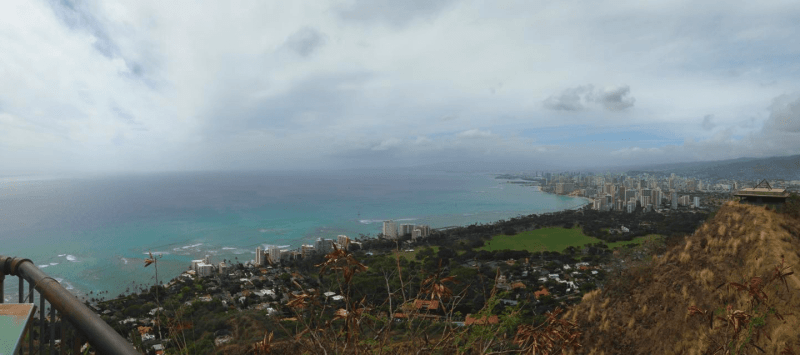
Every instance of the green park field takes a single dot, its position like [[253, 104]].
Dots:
[[550, 239], [410, 255]]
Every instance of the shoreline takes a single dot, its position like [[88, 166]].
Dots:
[[133, 264]]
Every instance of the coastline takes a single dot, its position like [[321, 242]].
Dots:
[[225, 233]]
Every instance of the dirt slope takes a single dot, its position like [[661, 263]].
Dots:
[[646, 310]]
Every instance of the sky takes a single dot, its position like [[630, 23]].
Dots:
[[99, 86]]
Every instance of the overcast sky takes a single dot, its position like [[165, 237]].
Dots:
[[206, 85]]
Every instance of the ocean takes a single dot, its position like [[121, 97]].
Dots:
[[92, 234]]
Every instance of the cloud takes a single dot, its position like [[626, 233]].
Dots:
[[573, 99], [388, 144], [707, 124], [305, 41], [475, 133], [449, 117], [141, 86], [569, 99], [394, 13], [614, 98], [784, 114], [422, 140]]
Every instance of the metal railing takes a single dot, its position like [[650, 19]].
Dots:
[[83, 324]]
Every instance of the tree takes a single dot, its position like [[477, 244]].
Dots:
[[154, 261]]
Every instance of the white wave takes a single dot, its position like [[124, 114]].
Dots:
[[228, 248], [59, 279], [176, 249], [371, 221], [60, 255], [68, 286], [157, 252], [72, 258], [43, 266], [192, 246], [53, 264], [283, 246], [125, 260]]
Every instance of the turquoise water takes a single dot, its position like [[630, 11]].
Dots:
[[92, 234]]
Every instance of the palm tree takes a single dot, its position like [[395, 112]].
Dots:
[[154, 261]]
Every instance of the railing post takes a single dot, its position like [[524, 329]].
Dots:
[[52, 329], [30, 324], [41, 324], [63, 338], [2, 289], [21, 288], [77, 342]]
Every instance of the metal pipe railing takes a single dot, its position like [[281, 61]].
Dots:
[[100, 335]]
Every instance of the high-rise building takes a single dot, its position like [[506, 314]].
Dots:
[[204, 269], [260, 257], [274, 254], [406, 229], [674, 200], [654, 197], [644, 200], [389, 229], [631, 206], [323, 246], [306, 250], [343, 241], [696, 202]]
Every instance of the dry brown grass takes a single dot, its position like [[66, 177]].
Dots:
[[739, 243]]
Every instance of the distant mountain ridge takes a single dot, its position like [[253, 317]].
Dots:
[[772, 168]]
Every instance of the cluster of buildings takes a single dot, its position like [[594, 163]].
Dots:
[[322, 246], [391, 231], [275, 254], [204, 268], [626, 193]]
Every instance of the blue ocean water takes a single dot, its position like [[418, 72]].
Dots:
[[93, 233]]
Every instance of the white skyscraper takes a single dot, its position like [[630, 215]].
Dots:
[[674, 200], [389, 229], [274, 254], [260, 257], [343, 241], [323, 246], [406, 229]]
